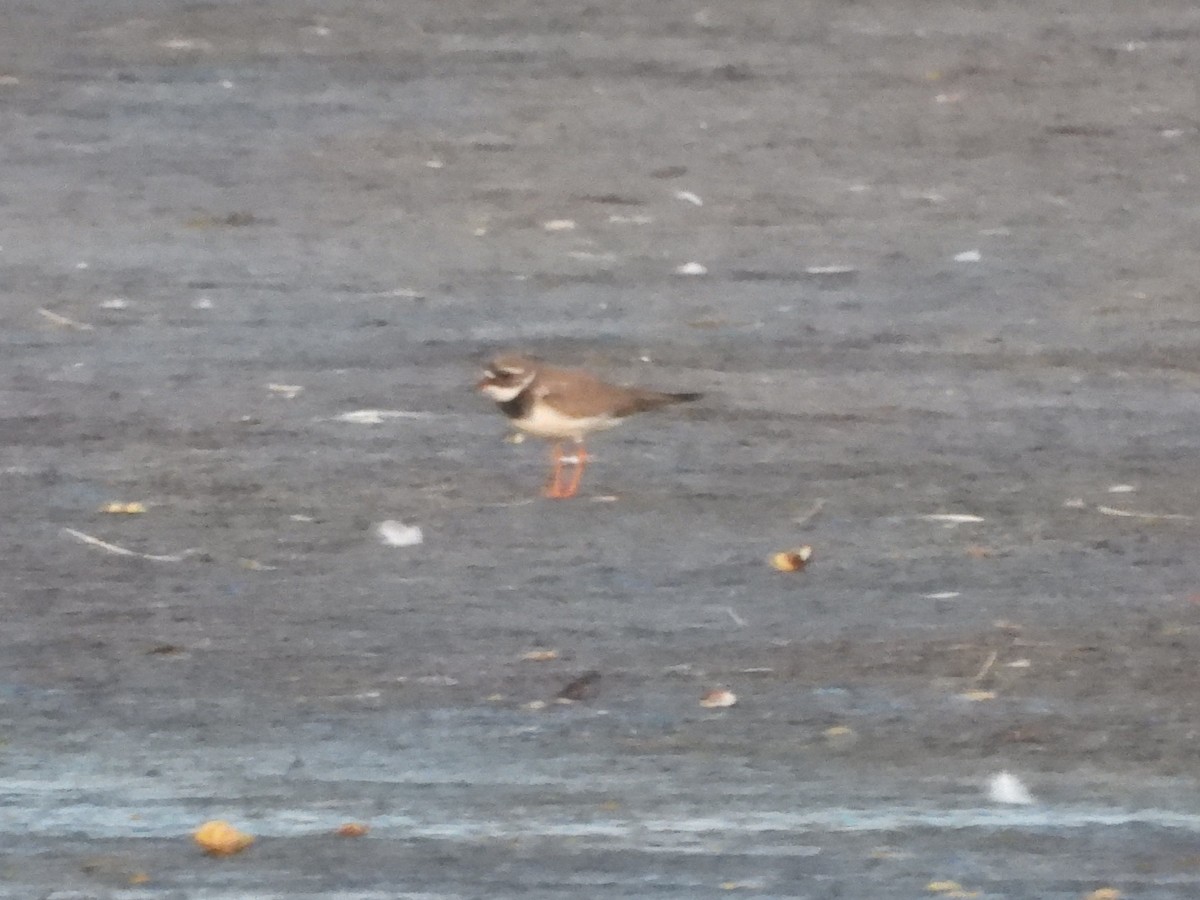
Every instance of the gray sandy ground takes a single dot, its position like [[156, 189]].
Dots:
[[201, 200]]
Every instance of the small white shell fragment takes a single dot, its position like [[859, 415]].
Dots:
[[559, 225], [397, 534], [689, 197], [952, 518], [115, 303], [1075, 503], [829, 270], [438, 680], [185, 44], [640, 219], [1021, 663], [287, 391], [202, 303], [718, 699], [1122, 489], [1004, 787], [942, 595], [968, 256], [691, 268], [434, 164]]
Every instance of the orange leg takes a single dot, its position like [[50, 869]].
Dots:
[[581, 459], [554, 488]]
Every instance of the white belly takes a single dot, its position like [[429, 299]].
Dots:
[[543, 421]]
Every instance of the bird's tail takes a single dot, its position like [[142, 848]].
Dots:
[[653, 399]]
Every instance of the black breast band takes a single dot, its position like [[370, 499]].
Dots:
[[519, 406]]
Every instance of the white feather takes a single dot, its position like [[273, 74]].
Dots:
[[1005, 787]]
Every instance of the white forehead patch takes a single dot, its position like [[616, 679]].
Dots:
[[506, 392]]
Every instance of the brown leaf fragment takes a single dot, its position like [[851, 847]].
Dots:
[[581, 688]]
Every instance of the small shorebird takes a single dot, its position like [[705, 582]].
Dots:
[[561, 404]]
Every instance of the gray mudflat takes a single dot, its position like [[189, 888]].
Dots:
[[951, 269]]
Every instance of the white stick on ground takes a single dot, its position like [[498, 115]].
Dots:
[[64, 321], [1131, 514], [811, 513], [125, 551]]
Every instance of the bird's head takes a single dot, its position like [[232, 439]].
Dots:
[[506, 376]]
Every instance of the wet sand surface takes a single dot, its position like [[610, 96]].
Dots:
[[950, 270]]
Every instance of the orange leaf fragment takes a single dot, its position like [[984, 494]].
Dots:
[[792, 560], [353, 829], [221, 839]]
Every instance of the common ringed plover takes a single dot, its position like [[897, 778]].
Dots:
[[564, 404]]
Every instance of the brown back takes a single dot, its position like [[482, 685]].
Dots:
[[577, 393]]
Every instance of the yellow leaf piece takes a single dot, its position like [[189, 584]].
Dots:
[[978, 696], [1104, 893], [139, 878], [221, 839], [943, 887], [124, 509], [540, 654]]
